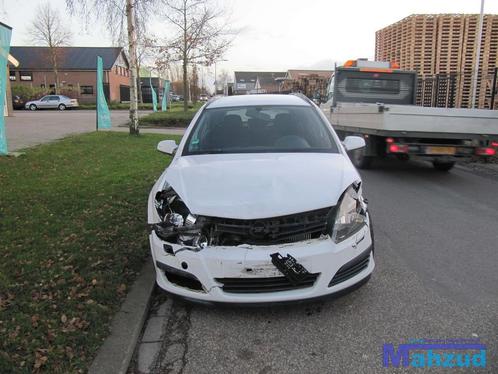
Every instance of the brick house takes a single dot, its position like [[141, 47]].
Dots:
[[77, 71]]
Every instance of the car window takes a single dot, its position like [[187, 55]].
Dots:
[[44, 98], [54, 98], [261, 129]]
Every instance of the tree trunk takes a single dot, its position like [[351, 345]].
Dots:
[[132, 52], [139, 86], [185, 60], [56, 70]]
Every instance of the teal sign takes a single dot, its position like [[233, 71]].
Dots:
[[5, 34], [154, 95], [103, 114], [164, 102]]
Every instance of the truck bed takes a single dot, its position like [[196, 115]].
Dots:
[[391, 119]]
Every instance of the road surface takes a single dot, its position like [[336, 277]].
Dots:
[[436, 277]]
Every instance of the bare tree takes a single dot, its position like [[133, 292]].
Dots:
[[203, 35], [121, 15], [48, 29]]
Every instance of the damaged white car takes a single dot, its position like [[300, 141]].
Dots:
[[260, 204]]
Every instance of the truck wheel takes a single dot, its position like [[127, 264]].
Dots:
[[360, 160], [443, 166]]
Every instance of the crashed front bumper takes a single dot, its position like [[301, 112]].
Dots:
[[319, 256]]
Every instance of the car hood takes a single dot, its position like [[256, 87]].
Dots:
[[251, 186]]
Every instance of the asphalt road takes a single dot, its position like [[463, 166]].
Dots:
[[436, 277]]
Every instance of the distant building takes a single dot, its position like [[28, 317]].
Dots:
[[441, 48], [312, 83], [77, 68], [144, 83], [254, 82]]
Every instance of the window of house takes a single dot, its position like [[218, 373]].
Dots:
[[26, 76], [12, 75], [87, 90]]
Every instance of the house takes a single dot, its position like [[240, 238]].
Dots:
[[77, 67], [254, 82]]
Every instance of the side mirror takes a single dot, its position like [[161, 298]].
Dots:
[[353, 142], [167, 146]]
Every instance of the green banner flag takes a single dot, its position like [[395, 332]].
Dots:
[[164, 102], [154, 95], [103, 114], [5, 34]]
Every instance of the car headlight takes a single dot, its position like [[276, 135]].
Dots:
[[177, 223], [351, 214]]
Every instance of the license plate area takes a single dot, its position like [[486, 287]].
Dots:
[[440, 150], [290, 268]]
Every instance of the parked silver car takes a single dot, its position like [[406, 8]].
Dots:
[[60, 102]]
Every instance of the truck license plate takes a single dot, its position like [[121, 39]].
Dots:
[[440, 150]]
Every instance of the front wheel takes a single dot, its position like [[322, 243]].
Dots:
[[443, 166], [62, 107], [32, 107], [360, 160]]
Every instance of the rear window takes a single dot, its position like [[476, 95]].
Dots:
[[260, 129], [369, 85]]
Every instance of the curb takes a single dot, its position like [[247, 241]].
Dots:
[[115, 354]]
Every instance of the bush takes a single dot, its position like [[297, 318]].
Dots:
[[174, 117], [28, 93]]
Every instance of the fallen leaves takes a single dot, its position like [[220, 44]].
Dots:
[[40, 358]]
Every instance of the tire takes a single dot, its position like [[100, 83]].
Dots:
[[360, 160], [443, 166], [61, 107], [32, 107]]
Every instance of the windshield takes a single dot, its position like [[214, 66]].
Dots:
[[261, 129]]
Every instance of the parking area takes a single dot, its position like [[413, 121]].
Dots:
[[27, 128]]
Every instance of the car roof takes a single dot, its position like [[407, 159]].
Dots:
[[250, 100]]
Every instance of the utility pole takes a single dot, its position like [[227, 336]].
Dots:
[[478, 56]]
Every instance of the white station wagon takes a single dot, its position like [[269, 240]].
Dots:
[[260, 204]]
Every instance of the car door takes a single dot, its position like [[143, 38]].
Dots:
[[53, 101], [43, 103]]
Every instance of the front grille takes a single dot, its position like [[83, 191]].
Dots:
[[349, 270], [275, 230], [262, 285]]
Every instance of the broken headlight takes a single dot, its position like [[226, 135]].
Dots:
[[177, 223], [351, 214]]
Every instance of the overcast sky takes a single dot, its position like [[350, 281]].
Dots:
[[277, 34]]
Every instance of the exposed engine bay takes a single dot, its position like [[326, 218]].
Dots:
[[179, 225]]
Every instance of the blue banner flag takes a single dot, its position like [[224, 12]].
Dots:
[[164, 103], [154, 95], [103, 114], [5, 34]]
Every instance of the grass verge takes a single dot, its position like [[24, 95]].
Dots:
[[73, 237], [175, 117]]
